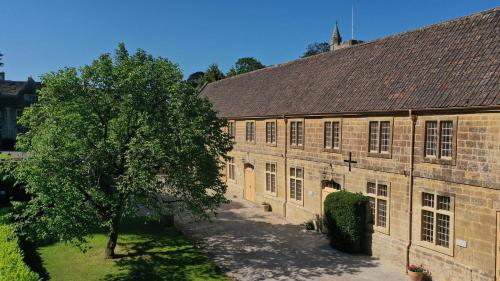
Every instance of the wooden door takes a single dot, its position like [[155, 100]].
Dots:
[[497, 249], [249, 183]]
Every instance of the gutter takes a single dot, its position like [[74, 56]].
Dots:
[[413, 120], [285, 156]]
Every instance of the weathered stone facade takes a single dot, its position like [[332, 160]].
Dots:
[[471, 178]]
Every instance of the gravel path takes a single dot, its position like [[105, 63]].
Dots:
[[251, 244]]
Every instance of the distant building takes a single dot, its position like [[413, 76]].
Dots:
[[410, 120], [14, 97]]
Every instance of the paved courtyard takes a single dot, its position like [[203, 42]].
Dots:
[[254, 245]]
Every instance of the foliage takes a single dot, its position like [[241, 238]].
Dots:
[[12, 266], [416, 268], [1, 56], [309, 225], [212, 74], [195, 78], [147, 252], [244, 65], [346, 220], [316, 48], [98, 139]]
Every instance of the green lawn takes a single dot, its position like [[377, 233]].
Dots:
[[145, 252]]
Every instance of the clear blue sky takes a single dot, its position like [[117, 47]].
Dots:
[[40, 36]]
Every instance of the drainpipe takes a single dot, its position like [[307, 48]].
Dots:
[[413, 119], [286, 165]]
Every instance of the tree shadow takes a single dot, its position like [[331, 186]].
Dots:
[[161, 254], [253, 245]]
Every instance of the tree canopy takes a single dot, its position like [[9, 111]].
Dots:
[[316, 48], [212, 74], [195, 78], [118, 134], [244, 65], [1, 56]]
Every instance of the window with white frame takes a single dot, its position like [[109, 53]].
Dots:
[[436, 219], [439, 139], [271, 177], [231, 169], [271, 132], [378, 199], [250, 131], [296, 133], [296, 183], [331, 135], [379, 137]]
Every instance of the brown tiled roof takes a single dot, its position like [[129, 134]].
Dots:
[[454, 64], [16, 88]]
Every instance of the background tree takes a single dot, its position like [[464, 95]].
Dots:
[[212, 74], [195, 78], [244, 65], [99, 138], [316, 48], [1, 56]]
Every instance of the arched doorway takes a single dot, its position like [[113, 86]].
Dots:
[[327, 187], [249, 192]]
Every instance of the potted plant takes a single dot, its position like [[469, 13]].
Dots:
[[416, 273]]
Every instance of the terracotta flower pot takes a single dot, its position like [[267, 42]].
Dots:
[[267, 207], [415, 276]]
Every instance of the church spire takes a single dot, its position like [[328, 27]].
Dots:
[[336, 39]]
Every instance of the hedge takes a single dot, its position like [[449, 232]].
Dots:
[[12, 266], [346, 220]]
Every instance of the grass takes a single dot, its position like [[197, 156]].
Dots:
[[145, 251]]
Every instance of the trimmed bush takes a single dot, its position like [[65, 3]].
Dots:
[[12, 266], [346, 220]]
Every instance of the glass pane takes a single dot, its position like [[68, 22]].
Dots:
[[293, 133], [371, 189], [385, 133], [371, 206], [336, 135], [299, 190], [427, 226], [299, 173], [382, 213], [273, 132], [374, 136], [299, 133], [382, 190], [292, 172], [268, 182], [443, 230], [328, 134], [273, 168], [431, 138], [273, 183], [444, 203], [428, 200], [292, 188], [446, 138]]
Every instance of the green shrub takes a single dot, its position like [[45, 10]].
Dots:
[[346, 220], [12, 266]]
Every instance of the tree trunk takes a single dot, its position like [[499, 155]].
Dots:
[[112, 238]]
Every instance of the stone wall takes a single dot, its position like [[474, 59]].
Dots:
[[471, 178]]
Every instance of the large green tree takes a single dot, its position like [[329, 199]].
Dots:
[[118, 135], [244, 65]]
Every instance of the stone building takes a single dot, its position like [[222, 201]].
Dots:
[[410, 120], [14, 97]]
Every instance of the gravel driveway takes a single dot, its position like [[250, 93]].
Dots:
[[251, 244]]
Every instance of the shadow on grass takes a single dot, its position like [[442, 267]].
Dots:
[[153, 252]]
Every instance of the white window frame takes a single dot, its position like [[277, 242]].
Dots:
[[250, 134], [269, 172], [376, 197], [271, 139], [231, 165], [296, 179]]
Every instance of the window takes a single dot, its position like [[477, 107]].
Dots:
[[296, 133], [378, 196], [271, 132], [379, 137], [271, 177], [296, 183], [231, 169], [332, 135], [231, 128], [439, 139], [437, 215], [250, 131]]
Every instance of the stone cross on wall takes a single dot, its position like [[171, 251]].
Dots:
[[350, 161]]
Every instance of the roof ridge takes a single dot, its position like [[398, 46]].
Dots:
[[404, 33]]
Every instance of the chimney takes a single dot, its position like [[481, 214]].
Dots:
[[336, 39], [2, 76]]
